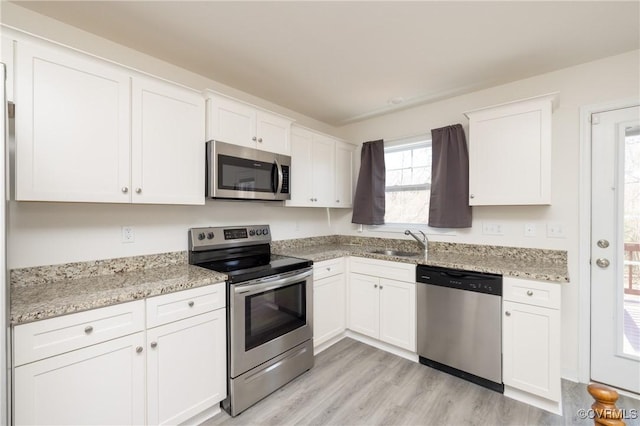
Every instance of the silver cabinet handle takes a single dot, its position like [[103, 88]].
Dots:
[[603, 243], [138, 190], [375, 286], [380, 287], [603, 263], [508, 313], [472, 196], [88, 329], [259, 139], [125, 189], [329, 269], [139, 349], [337, 201], [254, 138], [154, 344], [191, 303], [529, 293]]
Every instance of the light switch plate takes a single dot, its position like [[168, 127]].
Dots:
[[128, 235], [555, 230], [492, 228]]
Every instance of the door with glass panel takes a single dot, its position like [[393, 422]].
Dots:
[[615, 248]]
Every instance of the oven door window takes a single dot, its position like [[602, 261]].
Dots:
[[240, 174], [274, 313]]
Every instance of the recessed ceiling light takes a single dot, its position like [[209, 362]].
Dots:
[[396, 100]]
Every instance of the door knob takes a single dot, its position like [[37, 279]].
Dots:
[[603, 243], [603, 263]]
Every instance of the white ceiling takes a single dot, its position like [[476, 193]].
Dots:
[[343, 61]]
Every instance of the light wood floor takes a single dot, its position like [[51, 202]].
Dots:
[[356, 384]]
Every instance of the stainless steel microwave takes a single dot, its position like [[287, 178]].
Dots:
[[241, 173]]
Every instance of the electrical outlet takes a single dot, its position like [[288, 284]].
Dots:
[[127, 234], [529, 229], [555, 230], [492, 228]]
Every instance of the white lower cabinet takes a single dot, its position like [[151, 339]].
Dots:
[[99, 384], [102, 367], [182, 383], [329, 295], [531, 341], [381, 307]]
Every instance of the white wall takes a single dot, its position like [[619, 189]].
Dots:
[[596, 82]]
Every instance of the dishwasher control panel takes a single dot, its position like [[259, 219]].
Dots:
[[480, 282]]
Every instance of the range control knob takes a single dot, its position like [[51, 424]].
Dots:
[[252, 233], [265, 231], [210, 235], [258, 231], [201, 236]]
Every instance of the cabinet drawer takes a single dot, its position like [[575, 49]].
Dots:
[[42, 339], [184, 304], [531, 292], [383, 269], [328, 268]]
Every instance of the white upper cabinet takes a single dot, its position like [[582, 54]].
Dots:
[[168, 144], [72, 126], [510, 153], [88, 130], [242, 124], [321, 170], [344, 174]]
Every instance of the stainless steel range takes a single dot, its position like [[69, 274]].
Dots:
[[269, 310]]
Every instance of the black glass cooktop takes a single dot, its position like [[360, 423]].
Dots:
[[246, 264]]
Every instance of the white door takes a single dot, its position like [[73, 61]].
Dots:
[[72, 127], [186, 367], [273, 133], [323, 157], [344, 175], [101, 384], [364, 305], [232, 122], [398, 313], [168, 143], [328, 308], [615, 248]]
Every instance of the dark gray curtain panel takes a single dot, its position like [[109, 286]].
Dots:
[[368, 202], [449, 202]]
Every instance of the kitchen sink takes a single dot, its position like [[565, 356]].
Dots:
[[399, 253]]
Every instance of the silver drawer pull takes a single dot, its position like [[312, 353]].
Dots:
[[191, 303], [529, 293], [88, 329], [508, 313], [154, 344], [329, 269], [139, 349]]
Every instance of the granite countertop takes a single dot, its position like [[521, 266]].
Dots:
[[46, 292], [535, 264]]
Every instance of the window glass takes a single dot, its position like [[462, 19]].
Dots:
[[408, 182]]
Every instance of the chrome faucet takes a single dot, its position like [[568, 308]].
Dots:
[[424, 242]]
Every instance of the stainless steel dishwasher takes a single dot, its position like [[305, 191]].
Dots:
[[460, 323]]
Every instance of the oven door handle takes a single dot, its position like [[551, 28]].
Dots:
[[270, 284]]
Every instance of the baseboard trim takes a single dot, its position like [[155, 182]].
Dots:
[[554, 407], [411, 356], [203, 416], [328, 343]]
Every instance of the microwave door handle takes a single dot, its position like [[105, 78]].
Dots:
[[278, 185]]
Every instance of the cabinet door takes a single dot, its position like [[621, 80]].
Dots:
[[6, 57], [100, 384], [186, 367], [301, 168], [272, 133], [323, 166], [168, 143], [398, 313], [328, 308], [344, 175], [531, 349], [72, 127], [231, 122], [364, 309], [510, 154]]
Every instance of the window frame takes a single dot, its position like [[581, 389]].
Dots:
[[401, 144]]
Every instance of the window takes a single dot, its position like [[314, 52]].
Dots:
[[408, 181]]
